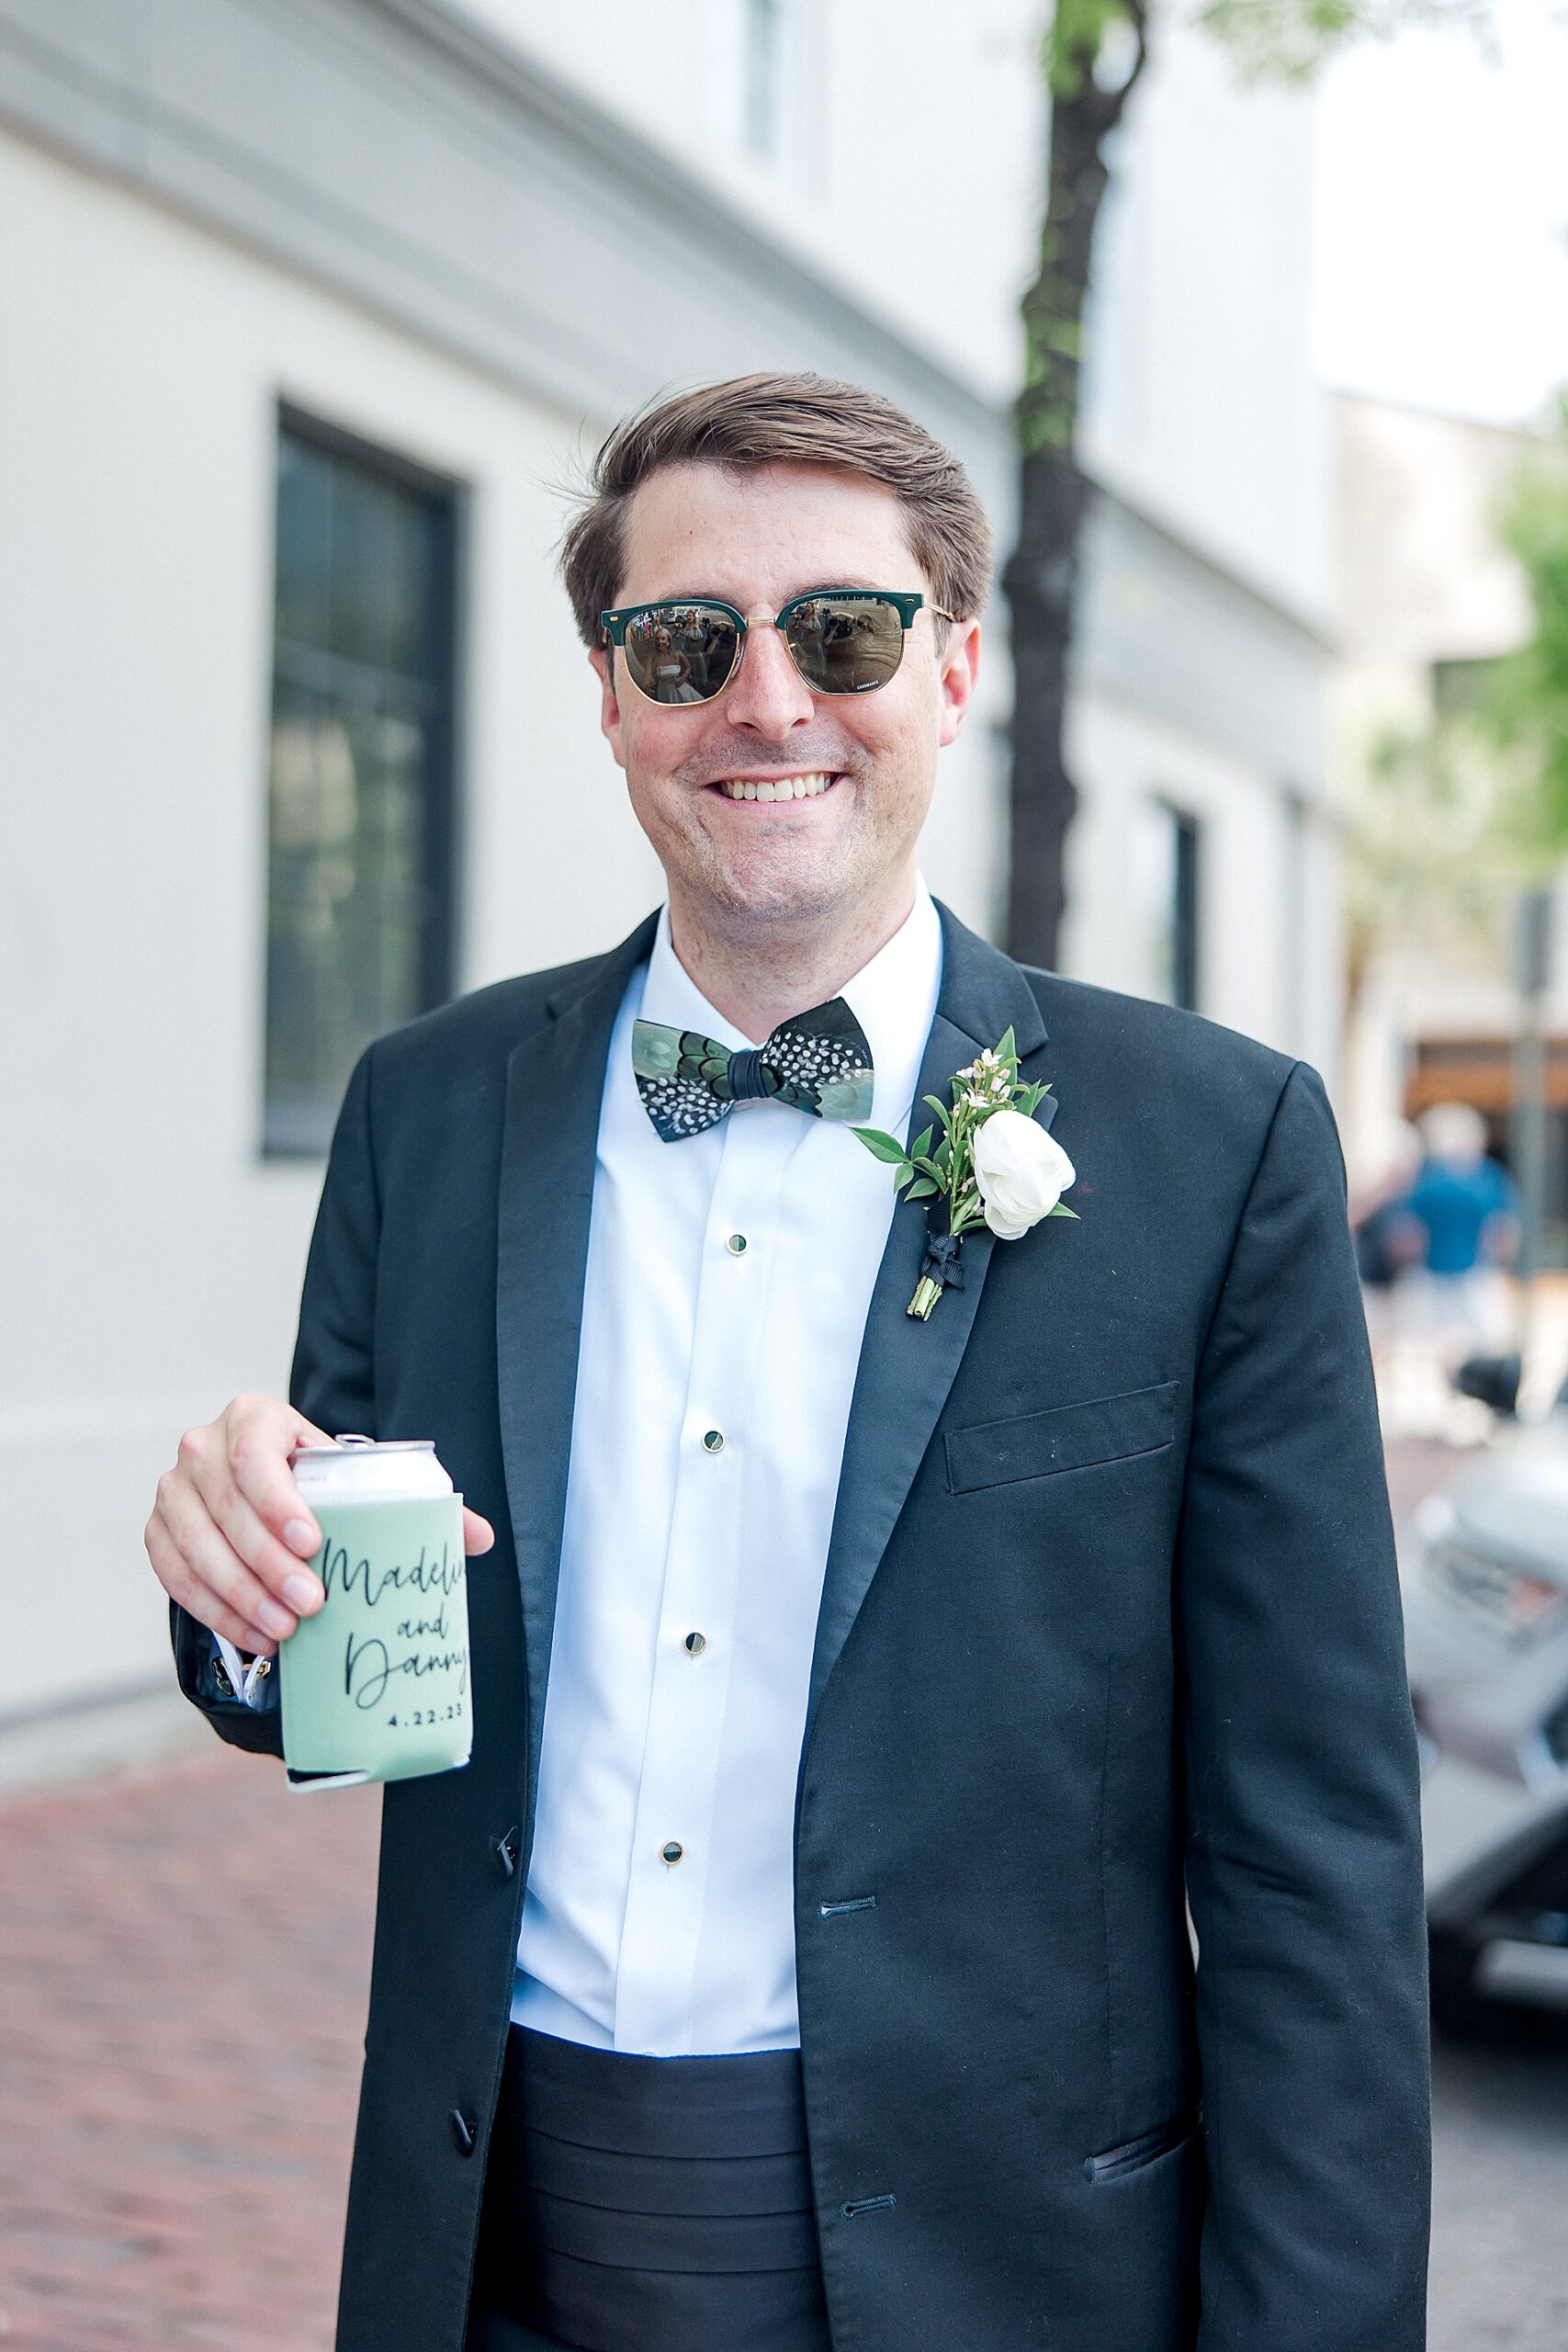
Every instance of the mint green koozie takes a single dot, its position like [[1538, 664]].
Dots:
[[374, 1686]]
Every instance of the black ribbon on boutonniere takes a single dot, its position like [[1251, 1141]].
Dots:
[[941, 1263]]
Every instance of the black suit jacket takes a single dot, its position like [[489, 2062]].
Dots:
[[1109, 1628]]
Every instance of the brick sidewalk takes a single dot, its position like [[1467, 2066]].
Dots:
[[184, 1960]]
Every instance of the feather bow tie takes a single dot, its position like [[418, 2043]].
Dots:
[[818, 1061]]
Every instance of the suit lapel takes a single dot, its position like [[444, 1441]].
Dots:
[[906, 1367], [555, 1084]]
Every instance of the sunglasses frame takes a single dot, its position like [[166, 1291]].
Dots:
[[906, 603]]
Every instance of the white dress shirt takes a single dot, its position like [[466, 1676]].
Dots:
[[728, 1281]]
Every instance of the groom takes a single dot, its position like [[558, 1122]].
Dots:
[[863, 1702]]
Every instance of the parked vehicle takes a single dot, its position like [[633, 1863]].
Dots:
[[1485, 1573]]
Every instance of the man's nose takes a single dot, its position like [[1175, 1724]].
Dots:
[[769, 696]]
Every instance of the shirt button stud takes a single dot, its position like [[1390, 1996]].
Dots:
[[735, 1245], [696, 1644], [713, 1441], [671, 1851]]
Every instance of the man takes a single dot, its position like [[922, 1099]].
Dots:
[[860, 1700]]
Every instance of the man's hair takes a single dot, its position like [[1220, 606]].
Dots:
[[771, 420]]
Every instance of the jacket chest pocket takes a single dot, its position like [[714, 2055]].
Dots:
[[1071, 1437]]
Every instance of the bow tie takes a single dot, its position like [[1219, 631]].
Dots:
[[817, 1061]]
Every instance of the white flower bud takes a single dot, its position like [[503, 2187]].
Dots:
[[1022, 1172]]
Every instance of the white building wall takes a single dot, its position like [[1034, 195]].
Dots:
[[146, 354], [912, 165], [915, 177], [1268, 943], [156, 1258], [1203, 405]]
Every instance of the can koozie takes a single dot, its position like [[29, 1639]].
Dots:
[[374, 1686]]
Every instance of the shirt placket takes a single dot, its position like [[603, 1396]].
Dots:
[[718, 1493]]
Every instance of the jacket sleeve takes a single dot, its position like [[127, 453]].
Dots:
[[1303, 1819], [333, 1383]]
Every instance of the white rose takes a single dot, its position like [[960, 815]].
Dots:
[[1022, 1172]]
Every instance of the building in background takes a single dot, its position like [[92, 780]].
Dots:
[[1426, 598], [310, 307]]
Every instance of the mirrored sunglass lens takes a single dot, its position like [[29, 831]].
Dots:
[[681, 653], [845, 645]]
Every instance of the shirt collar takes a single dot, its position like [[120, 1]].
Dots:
[[893, 998]]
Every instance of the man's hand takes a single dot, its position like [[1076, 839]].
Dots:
[[229, 1534]]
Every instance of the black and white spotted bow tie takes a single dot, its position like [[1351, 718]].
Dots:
[[817, 1061]]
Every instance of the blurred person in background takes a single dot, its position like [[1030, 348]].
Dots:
[[811, 1966], [1465, 1207], [1388, 1240]]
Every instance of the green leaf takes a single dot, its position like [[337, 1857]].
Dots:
[[1062, 1209], [922, 1142], [903, 1176], [1007, 1051], [943, 1156], [927, 1166], [943, 1114], [922, 1190], [880, 1146]]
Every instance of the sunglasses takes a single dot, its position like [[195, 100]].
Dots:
[[842, 640]]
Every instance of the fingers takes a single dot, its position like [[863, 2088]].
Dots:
[[257, 1436], [201, 1601], [212, 1561], [230, 1533], [269, 1559]]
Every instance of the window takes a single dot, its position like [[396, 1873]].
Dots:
[[360, 776], [762, 76], [1167, 876], [762, 59], [1459, 689]]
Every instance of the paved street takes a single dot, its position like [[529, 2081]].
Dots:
[[1499, 2280], [183, 1964]]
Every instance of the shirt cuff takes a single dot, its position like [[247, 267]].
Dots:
[[246, 1676]]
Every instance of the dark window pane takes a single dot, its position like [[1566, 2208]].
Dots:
[[1166, 874], [1184, 914], [304, 542], [358, 795]]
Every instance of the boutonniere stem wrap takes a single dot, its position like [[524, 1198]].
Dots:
[[993, 1165]]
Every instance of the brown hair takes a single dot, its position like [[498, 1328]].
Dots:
[[767, 420]]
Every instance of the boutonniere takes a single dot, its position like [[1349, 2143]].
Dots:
[[993, 1166]]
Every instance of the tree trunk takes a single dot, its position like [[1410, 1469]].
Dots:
[[1040, 580]]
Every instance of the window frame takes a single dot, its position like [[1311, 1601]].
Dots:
[[441, 640]]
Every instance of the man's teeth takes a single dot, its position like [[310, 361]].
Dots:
[[786, 788]]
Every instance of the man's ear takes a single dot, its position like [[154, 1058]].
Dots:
[[603, 660], [958, 668]]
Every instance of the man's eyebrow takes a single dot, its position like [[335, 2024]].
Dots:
[[827, 586]]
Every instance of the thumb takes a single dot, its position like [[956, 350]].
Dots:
[[478, 1533]]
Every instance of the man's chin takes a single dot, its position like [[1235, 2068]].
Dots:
[[779, 873]]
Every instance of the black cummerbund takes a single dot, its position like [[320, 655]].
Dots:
[[640, 2204]]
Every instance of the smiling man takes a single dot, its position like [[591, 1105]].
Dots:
[[862, 1698]]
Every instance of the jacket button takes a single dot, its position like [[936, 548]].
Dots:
[[462, 2132]]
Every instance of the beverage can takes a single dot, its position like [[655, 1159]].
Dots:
[[374, 1686]]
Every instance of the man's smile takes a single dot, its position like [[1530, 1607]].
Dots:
[[805, 785]]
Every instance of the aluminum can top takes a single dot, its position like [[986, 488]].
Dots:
[[362, 1469]]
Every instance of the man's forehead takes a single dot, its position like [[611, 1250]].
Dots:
[[770, 531]]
